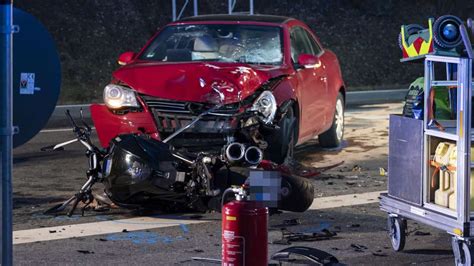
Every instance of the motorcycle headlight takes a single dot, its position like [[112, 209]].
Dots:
[[266, 105], [116, 97]]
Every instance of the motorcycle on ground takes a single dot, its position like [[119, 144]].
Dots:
[[138, 171]]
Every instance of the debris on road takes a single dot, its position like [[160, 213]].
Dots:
[[288, 222], [356, 168], [209, 260], [291, 222], [52, 231], [85, 251], [352, 177], [351, 183], [379, 254], [382, 171], [358, 248], [421, 233], [294, 167], [288, 237], [353, 225], [143, 238]]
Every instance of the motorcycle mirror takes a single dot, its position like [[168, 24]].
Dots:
[[84, 121], [73, 123]]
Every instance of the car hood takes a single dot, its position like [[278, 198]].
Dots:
[[196, 82]]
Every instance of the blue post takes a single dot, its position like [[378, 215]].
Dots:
[[6, 126]]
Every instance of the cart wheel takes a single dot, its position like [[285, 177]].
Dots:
[[397, 232], [463, 252]]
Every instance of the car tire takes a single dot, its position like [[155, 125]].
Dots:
[[282, 144], [333, 136], [296, 194]]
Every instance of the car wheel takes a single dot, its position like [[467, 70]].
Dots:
[[283, 143], [333, 137]]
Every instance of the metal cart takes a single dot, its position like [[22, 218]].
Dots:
[[411, 145]]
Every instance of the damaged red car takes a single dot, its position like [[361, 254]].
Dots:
[[268, 81]]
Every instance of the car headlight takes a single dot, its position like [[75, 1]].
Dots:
[[266, 105], [116, 97]]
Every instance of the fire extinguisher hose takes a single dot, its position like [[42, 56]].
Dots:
[[224, 194]]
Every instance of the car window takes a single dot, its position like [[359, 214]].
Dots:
[[314, 45], [251, 44], [299, 43]]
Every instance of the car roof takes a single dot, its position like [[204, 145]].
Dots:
[[238, 17]]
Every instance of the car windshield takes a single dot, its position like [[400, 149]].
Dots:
[[217, 43]]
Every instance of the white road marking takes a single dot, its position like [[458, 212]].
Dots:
[[96, 228], [59, 130], [345, 200], [144, 223]]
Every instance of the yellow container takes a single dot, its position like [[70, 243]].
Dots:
[[443, 156], [446, 188], [452, 198], [445, 195]]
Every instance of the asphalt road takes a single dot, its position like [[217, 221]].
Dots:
[[42, 179]]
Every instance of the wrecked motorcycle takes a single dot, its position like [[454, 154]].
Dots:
[[141, 172]]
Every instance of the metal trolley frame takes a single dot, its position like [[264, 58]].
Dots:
[[402, 200]]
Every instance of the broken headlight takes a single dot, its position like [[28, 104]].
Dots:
[[116, 97], [266, 106]]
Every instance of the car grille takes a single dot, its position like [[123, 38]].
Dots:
[[212, 130]]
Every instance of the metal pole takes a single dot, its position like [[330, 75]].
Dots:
[[173, 9], [251, 7], [195, 6], [6, 126], [229, 6]]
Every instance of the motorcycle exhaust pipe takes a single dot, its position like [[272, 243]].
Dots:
[[253, 155], [235, 152]]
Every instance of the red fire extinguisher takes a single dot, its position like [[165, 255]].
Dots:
[[244, 232]]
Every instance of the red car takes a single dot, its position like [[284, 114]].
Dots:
[[274, 85]]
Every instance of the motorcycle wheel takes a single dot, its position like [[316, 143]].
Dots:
[[297, 194]]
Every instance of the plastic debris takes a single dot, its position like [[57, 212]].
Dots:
[[382, 171], [353, 226], [358, 248], [420, 233], [288, 237], [85, 251]]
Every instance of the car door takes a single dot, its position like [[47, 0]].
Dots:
[[325, 102], [311, 84]]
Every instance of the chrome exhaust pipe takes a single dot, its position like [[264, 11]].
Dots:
[[253, 155], [235, 152]]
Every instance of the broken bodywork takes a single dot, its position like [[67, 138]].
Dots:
[[275, 84]]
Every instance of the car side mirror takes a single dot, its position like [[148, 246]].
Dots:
[[126, 58], [308, 61]]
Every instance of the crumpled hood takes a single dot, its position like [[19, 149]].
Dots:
[[195, 81]]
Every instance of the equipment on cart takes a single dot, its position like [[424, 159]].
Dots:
[[442, 101], [442, 37], [429, 162]]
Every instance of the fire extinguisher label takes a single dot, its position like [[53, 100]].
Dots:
[[233, 249], [231, 218]]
